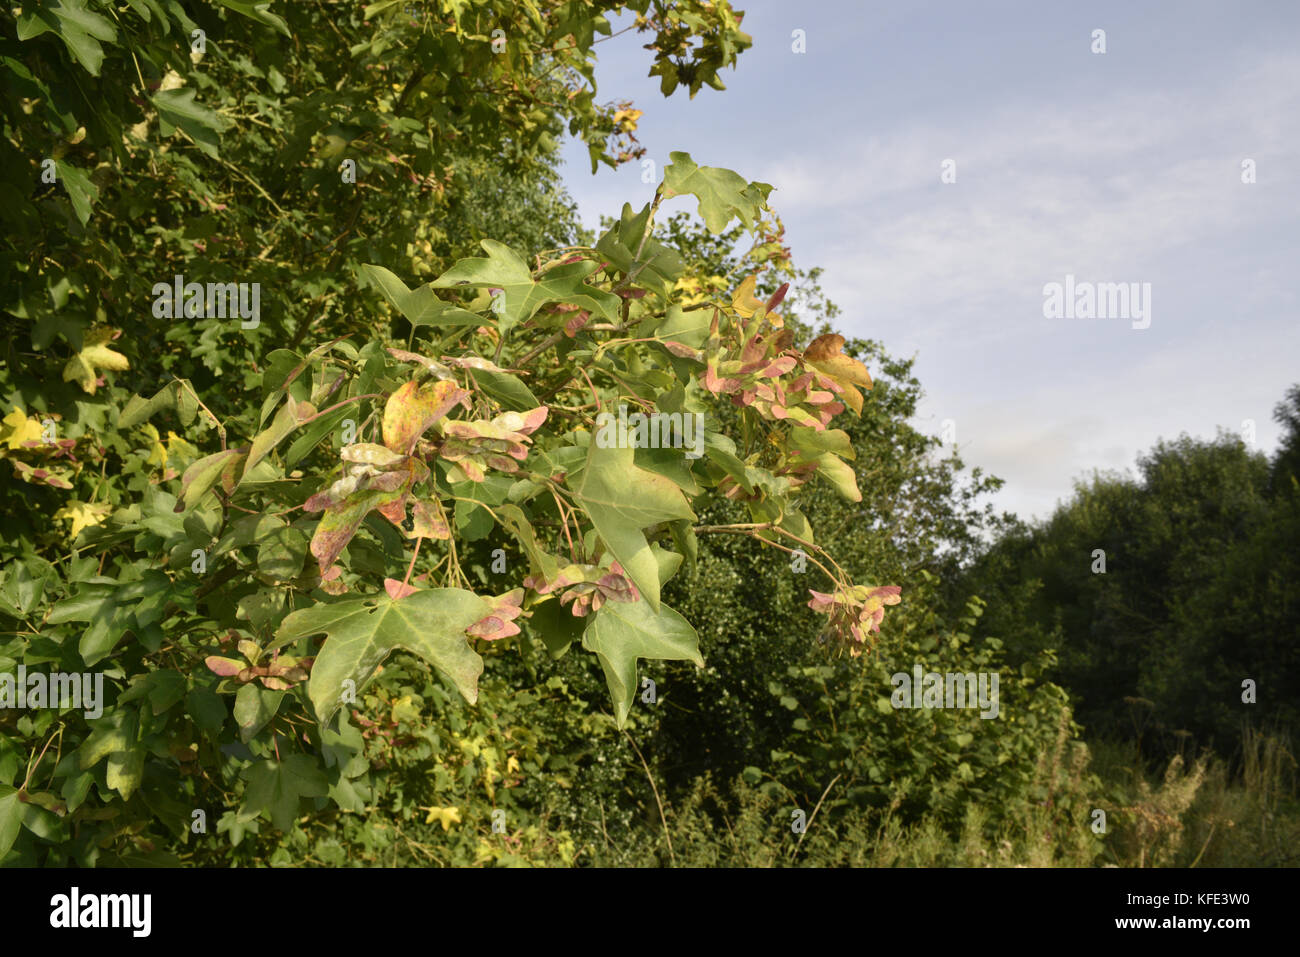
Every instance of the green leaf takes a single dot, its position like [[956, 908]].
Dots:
[[281, 554], [114, 732], [556, 626], [513, 518], [177, 109], [139, 410], [621, 500], [363, 632], [508, 390], [11, 818], [291, 415], [658, 266], [78, 28], [824, 448], [277, 786], [203, 474], [81, 191], [125, 769], [207, 708], [722, 193], [314, 433], [504, 269], [690, 327], [258, 12], [421, 305], [254, 707], [622, 632]]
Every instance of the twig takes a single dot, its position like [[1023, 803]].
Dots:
[[812, 817], [662, 819]]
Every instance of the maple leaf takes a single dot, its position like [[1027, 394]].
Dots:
[[602, 489], [83, 368], [362, 632], [621, 633], [18, 429], [84, 514], [836, 371], [722, 193], [446, 816], [521, 297], [413, 408]]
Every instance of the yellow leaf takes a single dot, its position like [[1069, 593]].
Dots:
[[626, 120], [19, 429], [83, 368], [512, 765], [157, 451], [743, 301], [83, 515], [824, 354], [178, 446], [446, 815]]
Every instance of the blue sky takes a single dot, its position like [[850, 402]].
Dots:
[[1117, 167]]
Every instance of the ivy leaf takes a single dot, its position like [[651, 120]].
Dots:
[[722, 193], [363, 632], [622, 632], [421, 305], [504, 269], [621, 500], [83, 368]]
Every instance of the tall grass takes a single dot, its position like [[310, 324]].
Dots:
[[1190, 812]]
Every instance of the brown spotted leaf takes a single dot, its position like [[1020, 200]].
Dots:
[[413, 408]]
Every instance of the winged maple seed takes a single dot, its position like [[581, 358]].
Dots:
[[588, 587], [279, 674], [472, 447], [500, 622], [853, 614], [752, 367]]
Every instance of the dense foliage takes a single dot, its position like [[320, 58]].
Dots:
[[1194, 596], [381, 568]]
